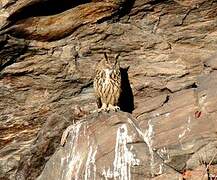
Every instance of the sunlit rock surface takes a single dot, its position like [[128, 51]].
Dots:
[[48, 53], [109, 146], [180, 134]]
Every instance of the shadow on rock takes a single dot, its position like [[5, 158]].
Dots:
[[126, 99]]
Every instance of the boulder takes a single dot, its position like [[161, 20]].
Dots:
[[106, 146]]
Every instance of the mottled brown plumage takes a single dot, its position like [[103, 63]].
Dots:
[[107, 84]]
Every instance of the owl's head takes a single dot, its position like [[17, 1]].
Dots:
[[110, 65], [108, 69]]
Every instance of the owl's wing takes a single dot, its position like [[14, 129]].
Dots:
[[98, 99], [98, 102]]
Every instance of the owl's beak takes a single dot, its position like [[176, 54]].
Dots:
[[108, 72]]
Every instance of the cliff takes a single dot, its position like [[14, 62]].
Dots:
[[167, 127]]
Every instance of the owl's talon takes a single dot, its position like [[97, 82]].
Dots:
[[103, 108], [99, 110], [114, 108], [117, 108]]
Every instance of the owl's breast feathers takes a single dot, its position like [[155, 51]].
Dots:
[[107, 84]]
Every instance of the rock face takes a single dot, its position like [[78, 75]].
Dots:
[[180, 135], [48, 52], [110, 146]]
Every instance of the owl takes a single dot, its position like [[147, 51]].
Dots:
[[107, 84]]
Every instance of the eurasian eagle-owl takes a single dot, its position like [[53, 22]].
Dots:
[[107, 84]]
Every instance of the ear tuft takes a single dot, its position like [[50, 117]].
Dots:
[[106, 57], [116, 60], [117, 56]]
